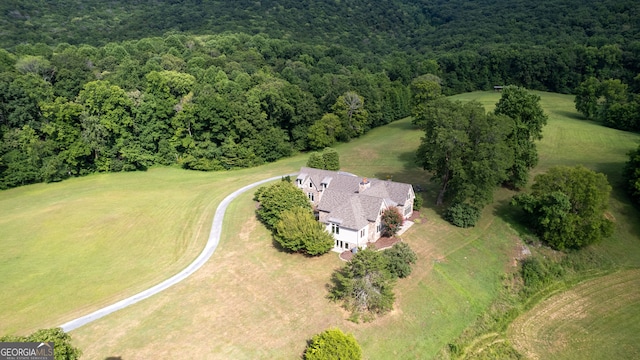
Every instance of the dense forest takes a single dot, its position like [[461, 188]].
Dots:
[[209, 85]]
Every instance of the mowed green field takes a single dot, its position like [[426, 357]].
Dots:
[[104, 237], [72, 247], [598, 318]]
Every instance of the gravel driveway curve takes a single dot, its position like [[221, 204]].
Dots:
[[209, 249]]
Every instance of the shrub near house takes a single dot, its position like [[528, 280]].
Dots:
[[286, 211]]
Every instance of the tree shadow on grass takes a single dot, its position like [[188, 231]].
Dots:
[[512, 215], [572, 115], [113, 358]]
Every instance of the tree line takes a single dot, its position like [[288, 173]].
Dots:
[[552, 46], [204, 103], [611, 102]]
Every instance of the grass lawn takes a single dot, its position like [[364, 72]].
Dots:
[[72, 247], [597, 319], [111, 235]]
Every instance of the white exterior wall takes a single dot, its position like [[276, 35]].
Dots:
[[348, 239]]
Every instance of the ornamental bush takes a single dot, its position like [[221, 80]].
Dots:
[[298, 231], [399, 259], [392, 221], [276, 198], [333, 344], [463, 215]]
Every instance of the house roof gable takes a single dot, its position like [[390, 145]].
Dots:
[[345, 203]]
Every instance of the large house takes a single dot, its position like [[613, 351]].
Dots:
[[351, 207]]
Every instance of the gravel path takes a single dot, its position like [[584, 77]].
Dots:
[[209, 249]]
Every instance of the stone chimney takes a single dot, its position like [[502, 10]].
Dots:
[[364, 185]]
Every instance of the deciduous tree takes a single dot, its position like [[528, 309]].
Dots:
[[632, 175], [399, 259], [567, 207], [466, 150], [524, 108]]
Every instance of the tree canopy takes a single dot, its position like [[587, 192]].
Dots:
[[329, 159], [399, 259], [277, 198], [567, 207], [525, 110], [297, 230], [392, 221], [333, 344], [62, 349], [631, 175], [465, 148]]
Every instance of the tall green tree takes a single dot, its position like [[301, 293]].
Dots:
[[631, 175], [315, 160], [399, 259], [587, 94], [349, 107], [331, 159], [466, 150], [365, 285], [567, 207], [525, 109], [325, 132]]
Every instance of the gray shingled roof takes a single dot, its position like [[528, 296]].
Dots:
[[346, 205]]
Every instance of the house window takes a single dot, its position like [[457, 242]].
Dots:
[[362, 232], [311, 197], [299, 181], [335, 229], [407, 210], [324, 186], [310, 184], [378, 228]]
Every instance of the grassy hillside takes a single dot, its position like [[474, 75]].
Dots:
[[250, 300]]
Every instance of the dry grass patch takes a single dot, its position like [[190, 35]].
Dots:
[[594, 320], [249, 301]]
